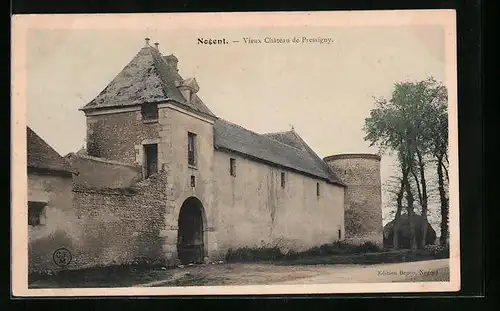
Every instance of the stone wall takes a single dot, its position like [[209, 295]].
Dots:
[[97, 172], [120, 226], [113, 136], [363, 196], [99, 226], [121, 136], [252, 209]]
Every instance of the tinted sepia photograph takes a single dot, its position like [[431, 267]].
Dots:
[[234, 153]]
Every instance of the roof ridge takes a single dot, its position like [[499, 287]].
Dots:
[[316, 156], [147, 77], [259, 134], [274, 133], [159, 61], [278, 141], [119, 76], [234, 137], [156, 54]]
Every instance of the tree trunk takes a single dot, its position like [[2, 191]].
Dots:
[[410, 199], [424, 201], [444, 203], [397, 217], [445, 170]]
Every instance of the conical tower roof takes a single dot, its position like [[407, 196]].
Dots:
[[149, 77]]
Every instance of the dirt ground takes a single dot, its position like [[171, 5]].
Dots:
[[249, 274], [258, 274]]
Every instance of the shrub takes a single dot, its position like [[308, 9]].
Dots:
[[367, 247], [247, 254], [438, 251]]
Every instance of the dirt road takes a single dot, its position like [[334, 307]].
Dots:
[[423, 271], [247, 274], [256, 274]]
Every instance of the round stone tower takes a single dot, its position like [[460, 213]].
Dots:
[[362, 197]]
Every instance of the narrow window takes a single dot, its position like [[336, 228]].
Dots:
[[282, 180], [149, 112], [340, 234], [36, 213], [193, 181], [151, 158], [317, 189], [192, 149], [232, 167]]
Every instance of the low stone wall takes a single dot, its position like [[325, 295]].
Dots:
[[121, 225], [97, 172]]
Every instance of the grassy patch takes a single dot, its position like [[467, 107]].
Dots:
[[364, 259], [334, 253]]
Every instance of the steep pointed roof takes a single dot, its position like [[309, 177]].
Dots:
[[293, 139], [284, 149], [41, 156], [288, 138], [148, 78]]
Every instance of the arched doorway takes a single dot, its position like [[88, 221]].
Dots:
[[190, 235]]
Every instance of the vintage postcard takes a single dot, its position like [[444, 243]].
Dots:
[[234, 153]]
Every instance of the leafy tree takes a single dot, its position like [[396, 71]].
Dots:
[[413, 124]]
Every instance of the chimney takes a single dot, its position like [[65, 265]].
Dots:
[[188, 88], [147, 41], [157, 46], [172, 61]]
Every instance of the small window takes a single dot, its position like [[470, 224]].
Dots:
[[282, 180], [317, 189], [192, 149], [149, 112], [36, 213], [232, 167], [151, 159], [193, 181], [340, 234]]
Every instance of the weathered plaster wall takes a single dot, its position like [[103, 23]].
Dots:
[[58, 229], [94, 172], [173, 159], [252, 209], [363, 196]]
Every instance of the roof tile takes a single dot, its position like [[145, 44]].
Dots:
[[43, 156], [281, 149], [148, 77]]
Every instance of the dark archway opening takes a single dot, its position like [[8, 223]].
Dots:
[[190, 244]]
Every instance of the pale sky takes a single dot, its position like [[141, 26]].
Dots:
[[324, 90]]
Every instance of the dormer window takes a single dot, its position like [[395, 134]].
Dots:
[[188, 88], [149, 113]]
